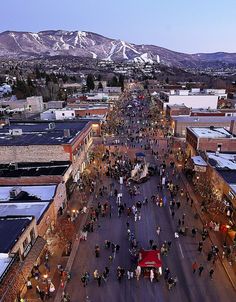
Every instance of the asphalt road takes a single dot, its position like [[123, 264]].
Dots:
[[190, 287]]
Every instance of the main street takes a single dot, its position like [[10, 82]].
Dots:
[[183, 251]]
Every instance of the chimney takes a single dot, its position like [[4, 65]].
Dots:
[[66, 132]]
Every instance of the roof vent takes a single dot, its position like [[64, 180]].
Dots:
[[66, 132], [51, 126], [15, 191], [15, 132]]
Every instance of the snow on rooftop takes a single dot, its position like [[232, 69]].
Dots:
[[35, 209], [211, 133], [199, 161], [224, 160], [233, 187], [4, 262], [41, 192]]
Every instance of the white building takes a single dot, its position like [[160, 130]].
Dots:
[[35, 104], [195, 98], [58, 114]]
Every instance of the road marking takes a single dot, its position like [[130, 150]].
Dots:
[[181, 251]]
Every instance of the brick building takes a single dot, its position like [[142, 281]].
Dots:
[[209, 139], [20, 247], [180, 123], [175, 110], [57, 141]]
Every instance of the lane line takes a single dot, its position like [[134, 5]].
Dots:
[[181, 251]]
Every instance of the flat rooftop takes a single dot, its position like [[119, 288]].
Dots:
[[228, 175], [203, 119], [11, 229], [176, 106], [223, 161], [36, 193], [205, 132], [34, 169], [35, 209], [5, 260], [38, 132]]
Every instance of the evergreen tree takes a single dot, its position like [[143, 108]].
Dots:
[[114, 82], [100, 86], [37, 73], [121, 82], [90, 82]]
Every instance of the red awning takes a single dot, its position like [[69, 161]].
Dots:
[[150, 258]]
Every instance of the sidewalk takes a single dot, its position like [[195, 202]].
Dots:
[[215, 237], [76, 243]]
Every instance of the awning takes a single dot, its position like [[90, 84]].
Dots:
[[150, 258]]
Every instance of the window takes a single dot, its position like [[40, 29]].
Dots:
[[72, 114], [25, 243], [219, 147], [32, 235], [63, 114]]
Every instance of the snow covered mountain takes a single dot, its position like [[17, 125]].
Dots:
[[92, 45]]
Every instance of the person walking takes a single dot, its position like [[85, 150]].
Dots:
[[194, 267], [99, 279], [200, 245], [191, 203], [151, 275], [158, 230], [200, 270], [151, 243], [211, 273], [138, 272]]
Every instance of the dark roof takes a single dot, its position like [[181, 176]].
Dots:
[[38, 133], [228, 175], [34, 169], [11, 229]]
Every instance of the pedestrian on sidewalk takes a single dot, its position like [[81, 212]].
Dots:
[[194, 232], [200, 270], [178, 204], [200, 245], [191, 203], [194, 267], [211, 273]]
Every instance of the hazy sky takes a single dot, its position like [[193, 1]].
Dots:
[[182, 25]]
